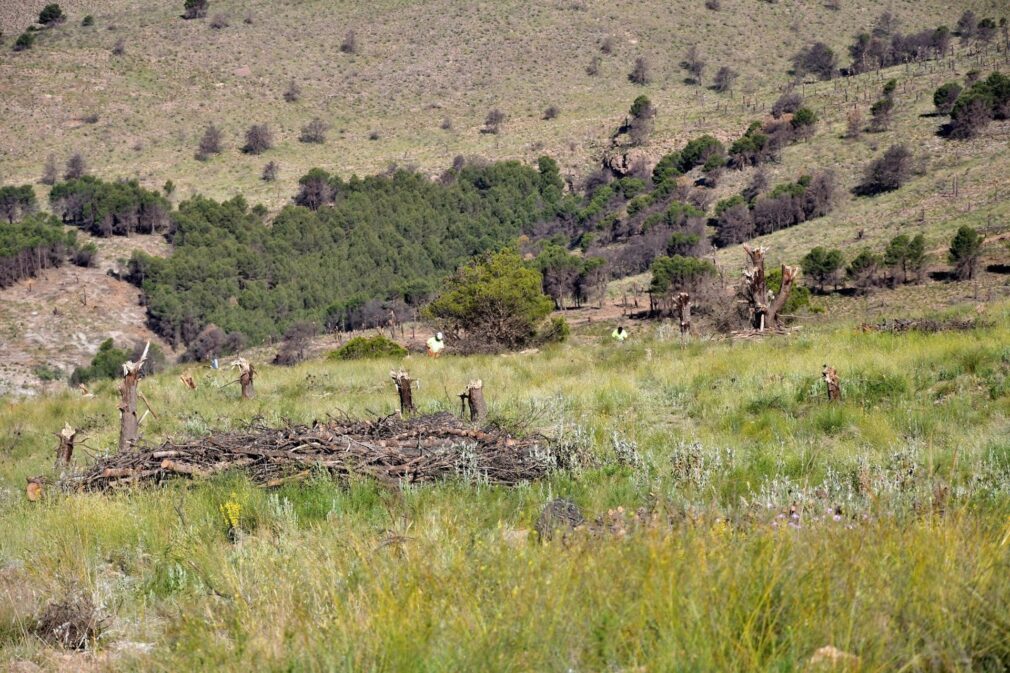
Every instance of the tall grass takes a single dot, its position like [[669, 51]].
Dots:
[[770, 522]]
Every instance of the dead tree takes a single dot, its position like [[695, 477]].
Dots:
[[833, 384], [403, 388], [684, 310], [129, 422], [246, 375], [764, 308], [65, 451], [473, 396]]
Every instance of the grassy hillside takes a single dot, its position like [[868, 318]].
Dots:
[[772, 523]]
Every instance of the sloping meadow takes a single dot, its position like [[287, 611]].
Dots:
[[736, 520]]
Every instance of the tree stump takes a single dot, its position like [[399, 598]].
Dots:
[[33, 490], [833, 384], [765, 310], [187, 380], [403, 388], [684, 311], [129, 423], [246, 375], [65, 451], [473, 396]]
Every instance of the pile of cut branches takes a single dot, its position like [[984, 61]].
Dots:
[[924, 325], [394, 451]]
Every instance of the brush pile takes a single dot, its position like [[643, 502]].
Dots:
[[394, 451], [924, 325]]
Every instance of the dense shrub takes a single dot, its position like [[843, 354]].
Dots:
[[365, 348], [195, 9], [51, 15], [945, 97], [24, 42]]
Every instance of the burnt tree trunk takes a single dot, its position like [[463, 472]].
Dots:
[[833, 383], [246, 375], [403, 388], [129, 422], [474, 397], [684, 310], [65, 451]]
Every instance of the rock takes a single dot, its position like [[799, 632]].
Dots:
[[830, 657], [623, 161]]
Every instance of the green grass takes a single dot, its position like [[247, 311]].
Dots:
[[715, 441]]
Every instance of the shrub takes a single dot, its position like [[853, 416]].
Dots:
[[965, 250], [219, 22], [608, 45], [210, 142], [258, 139], [51, 15], [316, 189], [47, 373], [314, 131], [803, 121], [694, 64], [50, 172], [368, 348], [297, 339], [714, 5], [822, 266], [593, 69], [493, 122], [76, 167], [270, 171], [787, 103], [119, 48], [350, 43], [88, 21], [967, 24], [555, 331], [86, 255], [724, 79], [945, 97], [642, 114], [293, 93], [551, 112], [24, 42], [107, 364], [212, 342], [818, 59], [195, 9], [887, 173], [641, 73], [495, 300]]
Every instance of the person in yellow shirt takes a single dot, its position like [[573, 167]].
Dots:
[[620, 334], [435, 345]]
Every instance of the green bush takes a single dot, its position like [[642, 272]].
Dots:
[[47, 373], [555, 331], [107, 364], [51, 15], [24, 42], [368, 348], [88, 21]]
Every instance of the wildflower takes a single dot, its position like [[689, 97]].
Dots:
[[232, 512]]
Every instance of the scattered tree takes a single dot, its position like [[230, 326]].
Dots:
[[887, 173], [258, 139], [818, 59], [316, 189], [293, 93], [210, 142], [52, 15], [195, 9], [494, 121], [76, 167], [945, 97], [694, 64], [641, 74], [907, 255], [863, 270], [314, 131], [724, 79], [964, 253], [822, 266]]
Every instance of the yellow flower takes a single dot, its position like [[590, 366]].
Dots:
[[231, 511]]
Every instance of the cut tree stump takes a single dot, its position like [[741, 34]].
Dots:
[[187, 380], [246, 375], [764, 308], [684, 311], [65, 451], [833, 383], [129, 423], [473, 396], [403, 388]]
